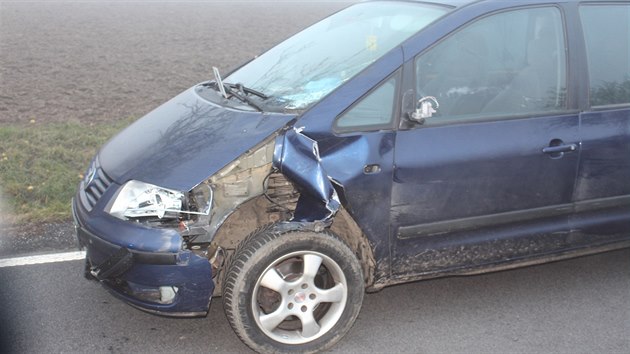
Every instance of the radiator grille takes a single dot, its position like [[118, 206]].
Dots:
[[94, 185]]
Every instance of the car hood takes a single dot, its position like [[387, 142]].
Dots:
[[185, 141]]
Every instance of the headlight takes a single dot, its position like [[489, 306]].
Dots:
[[143, 200]]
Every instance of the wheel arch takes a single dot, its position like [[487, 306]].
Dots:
[[258, 213]]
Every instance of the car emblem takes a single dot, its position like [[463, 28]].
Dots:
[[90, 176]]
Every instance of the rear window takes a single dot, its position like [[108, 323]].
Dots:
[[607, 36]]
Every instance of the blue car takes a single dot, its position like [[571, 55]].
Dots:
[[391, 142]]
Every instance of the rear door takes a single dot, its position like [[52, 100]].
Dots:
[[602, 192], [490, 177]]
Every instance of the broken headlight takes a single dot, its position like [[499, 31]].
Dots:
[[137, 200]]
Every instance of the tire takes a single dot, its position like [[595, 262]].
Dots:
[[292, 291]]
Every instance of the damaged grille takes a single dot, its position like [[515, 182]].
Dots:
[[94, 185]]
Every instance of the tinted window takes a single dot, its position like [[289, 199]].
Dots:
[[374, 111], [504, 64], [607, 35]]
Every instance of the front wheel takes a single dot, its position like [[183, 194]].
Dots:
[[296, 291]]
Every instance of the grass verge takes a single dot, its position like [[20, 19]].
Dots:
[[42, 164]]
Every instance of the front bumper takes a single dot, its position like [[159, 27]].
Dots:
[[143, 266]]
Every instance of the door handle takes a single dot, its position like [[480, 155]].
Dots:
[[559, 148]]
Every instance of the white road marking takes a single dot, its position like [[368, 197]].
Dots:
[[42, 259]]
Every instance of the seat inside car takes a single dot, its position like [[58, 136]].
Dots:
[[537, 86], [461, 75]]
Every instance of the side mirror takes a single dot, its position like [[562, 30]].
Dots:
[[425, 108]]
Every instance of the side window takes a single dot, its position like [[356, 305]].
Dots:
[[607, 35], [509, 63], [372, 112]]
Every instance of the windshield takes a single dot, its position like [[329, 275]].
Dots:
[[303, 69]]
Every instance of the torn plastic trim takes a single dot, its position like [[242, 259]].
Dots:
[[297, 157]]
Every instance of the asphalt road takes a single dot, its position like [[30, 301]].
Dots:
[[575, 306]]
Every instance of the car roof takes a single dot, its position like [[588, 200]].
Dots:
[[454, 3], [462, 3], [450, 3]]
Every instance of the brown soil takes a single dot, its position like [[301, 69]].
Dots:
[[101, 61]]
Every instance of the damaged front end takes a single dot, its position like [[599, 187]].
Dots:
[[150, 270], [283, 176], [164, 248], [154, 196], [281, 180]]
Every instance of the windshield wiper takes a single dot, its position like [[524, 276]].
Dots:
[[246, 90], [237, 90], [243, 98], [219, 81]]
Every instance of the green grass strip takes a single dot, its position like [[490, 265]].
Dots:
[[42, 164]]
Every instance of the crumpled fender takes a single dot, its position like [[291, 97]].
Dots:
[[297, 157]]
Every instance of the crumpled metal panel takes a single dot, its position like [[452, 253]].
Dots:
[[297, 157]]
